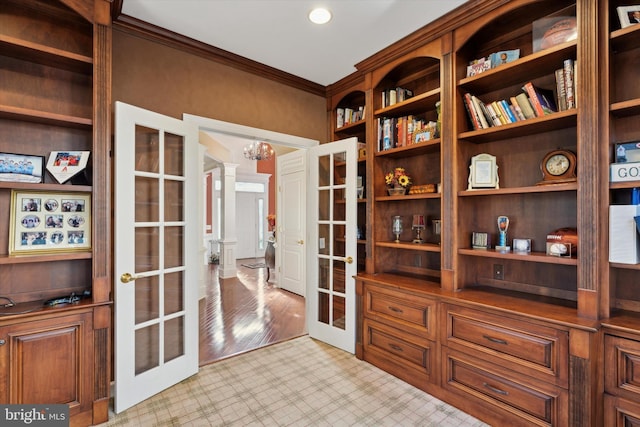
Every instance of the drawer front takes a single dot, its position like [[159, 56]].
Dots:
[[619, 412], [622, 367], [526, 347], [402, 349], [528, 401], [401, 309]]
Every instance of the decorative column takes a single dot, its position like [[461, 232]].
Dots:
[[229, 239]]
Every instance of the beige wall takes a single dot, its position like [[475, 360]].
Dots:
[[153, 76]]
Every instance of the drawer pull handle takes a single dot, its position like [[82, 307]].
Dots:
[[395, 347], [394, 309], [496, 390], [495, 340]]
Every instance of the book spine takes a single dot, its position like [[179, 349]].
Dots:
[[494, 117], [510, 116], [475, 122], [339, 117], [525, 106], [569, 83], [533, 98], [561, 93], [498, 111], [517, 109], [486, 113], [481, 116]]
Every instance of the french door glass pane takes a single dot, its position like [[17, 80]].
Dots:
[[173, 200], [147, 354], [173, 338], [147, 149], [173, 247], [173, 154], [173, 292], [147, 198], [147, 299], [147, 249]]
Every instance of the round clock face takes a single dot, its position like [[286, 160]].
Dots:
[[557, 164]]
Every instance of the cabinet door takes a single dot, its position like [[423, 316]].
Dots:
[[47, 361]]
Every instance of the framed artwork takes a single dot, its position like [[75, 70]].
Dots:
[[483, 172], [629, 15], [48, 222], [21, 168], [64, 165]]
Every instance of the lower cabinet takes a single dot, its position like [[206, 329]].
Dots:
[[50, 359], [622, 380], [504, 367], [399, 333]]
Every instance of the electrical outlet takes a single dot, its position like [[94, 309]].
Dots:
[[498, 271]]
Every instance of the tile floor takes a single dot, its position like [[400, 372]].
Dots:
[[301, 382]]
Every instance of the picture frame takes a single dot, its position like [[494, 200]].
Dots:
[[480, 240], [628, 15], [627, 152], [64, 165], [43, 222], [522, 245], [21, 168], [483, 172]]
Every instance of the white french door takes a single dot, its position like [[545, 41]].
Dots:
[[332, 249], [157, 235]]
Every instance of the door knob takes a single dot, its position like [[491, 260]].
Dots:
[[348, 260], [301, 242], [127, 277]]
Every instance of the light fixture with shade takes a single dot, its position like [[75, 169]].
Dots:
[[320, 16], [258, 150]]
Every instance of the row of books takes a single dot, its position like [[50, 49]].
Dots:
[[403, 131], [566, 85], [532, 102], [347, 116], [478, 66], [393, 96]]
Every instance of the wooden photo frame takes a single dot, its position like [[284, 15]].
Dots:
[[629, 15], [21, 168], [48, 222], [64, 165], [483, 172]]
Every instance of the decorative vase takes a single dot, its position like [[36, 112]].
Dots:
[[396, 191]]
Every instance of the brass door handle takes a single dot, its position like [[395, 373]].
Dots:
[[348, 260], [127, 277], [301, 242]]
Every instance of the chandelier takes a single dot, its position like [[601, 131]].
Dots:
[[258, 150]]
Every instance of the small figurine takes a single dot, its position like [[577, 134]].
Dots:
[[503, 226]]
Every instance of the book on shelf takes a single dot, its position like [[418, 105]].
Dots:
[[516, 108], [403, 131], [473, 115], [569, 83], [542, 100], [525, 105], [339, 117], [503, 57], [393, 96]]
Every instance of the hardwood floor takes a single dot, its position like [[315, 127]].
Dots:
[[244, 313]]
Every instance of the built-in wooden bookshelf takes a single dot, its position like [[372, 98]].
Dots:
[[55, 68]]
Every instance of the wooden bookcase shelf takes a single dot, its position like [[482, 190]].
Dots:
[[537, 125], [425, 247], [44, 117], [45, 55], [520, 190], [56, 74], [29, 259], [540, 257]]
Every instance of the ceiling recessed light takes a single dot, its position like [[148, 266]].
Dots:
[[320, 16]]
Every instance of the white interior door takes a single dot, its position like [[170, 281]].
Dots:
[[248, 223], [332, 250], [291, 221], [157, 236]]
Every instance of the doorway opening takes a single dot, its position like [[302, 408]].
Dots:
[[242, 311]]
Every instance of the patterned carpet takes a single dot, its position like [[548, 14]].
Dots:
[[301, 382]]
